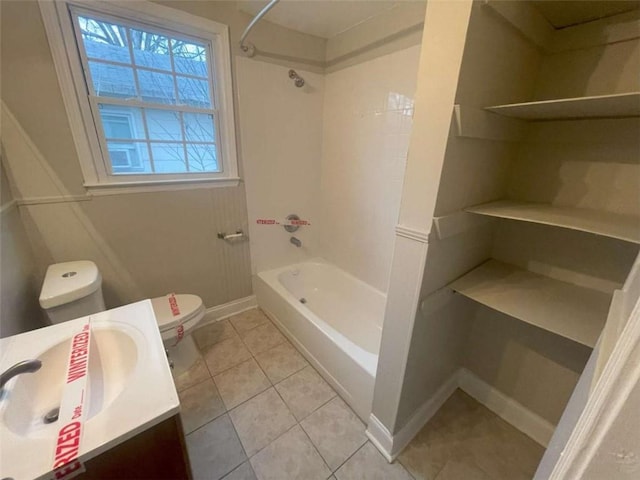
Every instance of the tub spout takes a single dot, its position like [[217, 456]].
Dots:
[[296, 242]]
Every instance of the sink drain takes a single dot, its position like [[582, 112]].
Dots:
[[303, 300], [52, 416]]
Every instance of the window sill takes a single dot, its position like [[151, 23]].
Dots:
[[119, 188]]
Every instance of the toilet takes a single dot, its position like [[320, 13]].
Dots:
[[74, 289], [177, 316]]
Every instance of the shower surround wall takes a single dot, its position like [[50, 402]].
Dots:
[[334, 153], [280, 134], [368, 111]]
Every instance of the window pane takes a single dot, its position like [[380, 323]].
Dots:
[[198, 127], [164, 125], [156, 87], [202, 158], [104, 40], [194, 92], [129, 157], [121, 122], [189, 58], [168, 157], [112, 80], [151, 50]]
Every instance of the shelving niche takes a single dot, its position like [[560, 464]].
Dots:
[[537, 221], [570, 310]]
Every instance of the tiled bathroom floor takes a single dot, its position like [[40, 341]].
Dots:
[[466, 441], [253, 407]]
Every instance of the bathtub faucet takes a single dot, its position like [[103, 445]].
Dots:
[[296, 242]]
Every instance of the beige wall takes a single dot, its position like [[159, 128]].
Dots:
[[30, 90], [588, 71], [533, 367], [19, 309], [580, 163]]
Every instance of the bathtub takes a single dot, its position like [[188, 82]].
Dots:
[[333, 318]]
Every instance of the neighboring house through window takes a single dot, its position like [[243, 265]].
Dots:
[[152, 87], [124, 156]]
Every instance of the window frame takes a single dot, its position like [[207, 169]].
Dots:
[[87, 130]]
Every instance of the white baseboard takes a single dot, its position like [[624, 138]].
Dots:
[[380, 437], [391, 445], [220, 312], [507, 408], [421, 416]]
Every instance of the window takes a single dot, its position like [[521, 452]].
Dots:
[[152, 87], [124, 157]]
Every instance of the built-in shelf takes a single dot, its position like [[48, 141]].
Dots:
[[614, 225], [602, 106], [565, 309]]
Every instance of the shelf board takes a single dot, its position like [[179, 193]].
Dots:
[[614, 225], [573, 312], [603, 106]]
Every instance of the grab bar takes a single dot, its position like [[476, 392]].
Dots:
[[250, 48]]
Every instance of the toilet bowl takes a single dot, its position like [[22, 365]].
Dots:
[[177, 316], [74, 289]]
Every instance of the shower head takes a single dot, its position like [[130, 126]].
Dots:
[[297, 79]]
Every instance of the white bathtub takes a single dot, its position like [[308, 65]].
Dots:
[[333, 318]]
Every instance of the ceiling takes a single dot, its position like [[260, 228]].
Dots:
[[324, 19], [562, 13], [327, 18]]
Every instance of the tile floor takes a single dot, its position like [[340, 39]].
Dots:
[[466, 441], [253, 408]]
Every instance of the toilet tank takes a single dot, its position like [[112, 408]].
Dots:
[[71, 290]]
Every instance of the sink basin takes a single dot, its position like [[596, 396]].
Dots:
[[113, 358], [129, 388]]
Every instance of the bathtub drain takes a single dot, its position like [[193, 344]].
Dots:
[[303, 300]]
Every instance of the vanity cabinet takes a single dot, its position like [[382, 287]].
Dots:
[[157, 453]]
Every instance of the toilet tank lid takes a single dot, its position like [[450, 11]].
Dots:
[[69, 281]]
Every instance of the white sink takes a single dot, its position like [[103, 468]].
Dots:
[[113, 357], [129, 389]]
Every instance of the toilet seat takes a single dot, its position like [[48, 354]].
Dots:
[[191, 310]]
